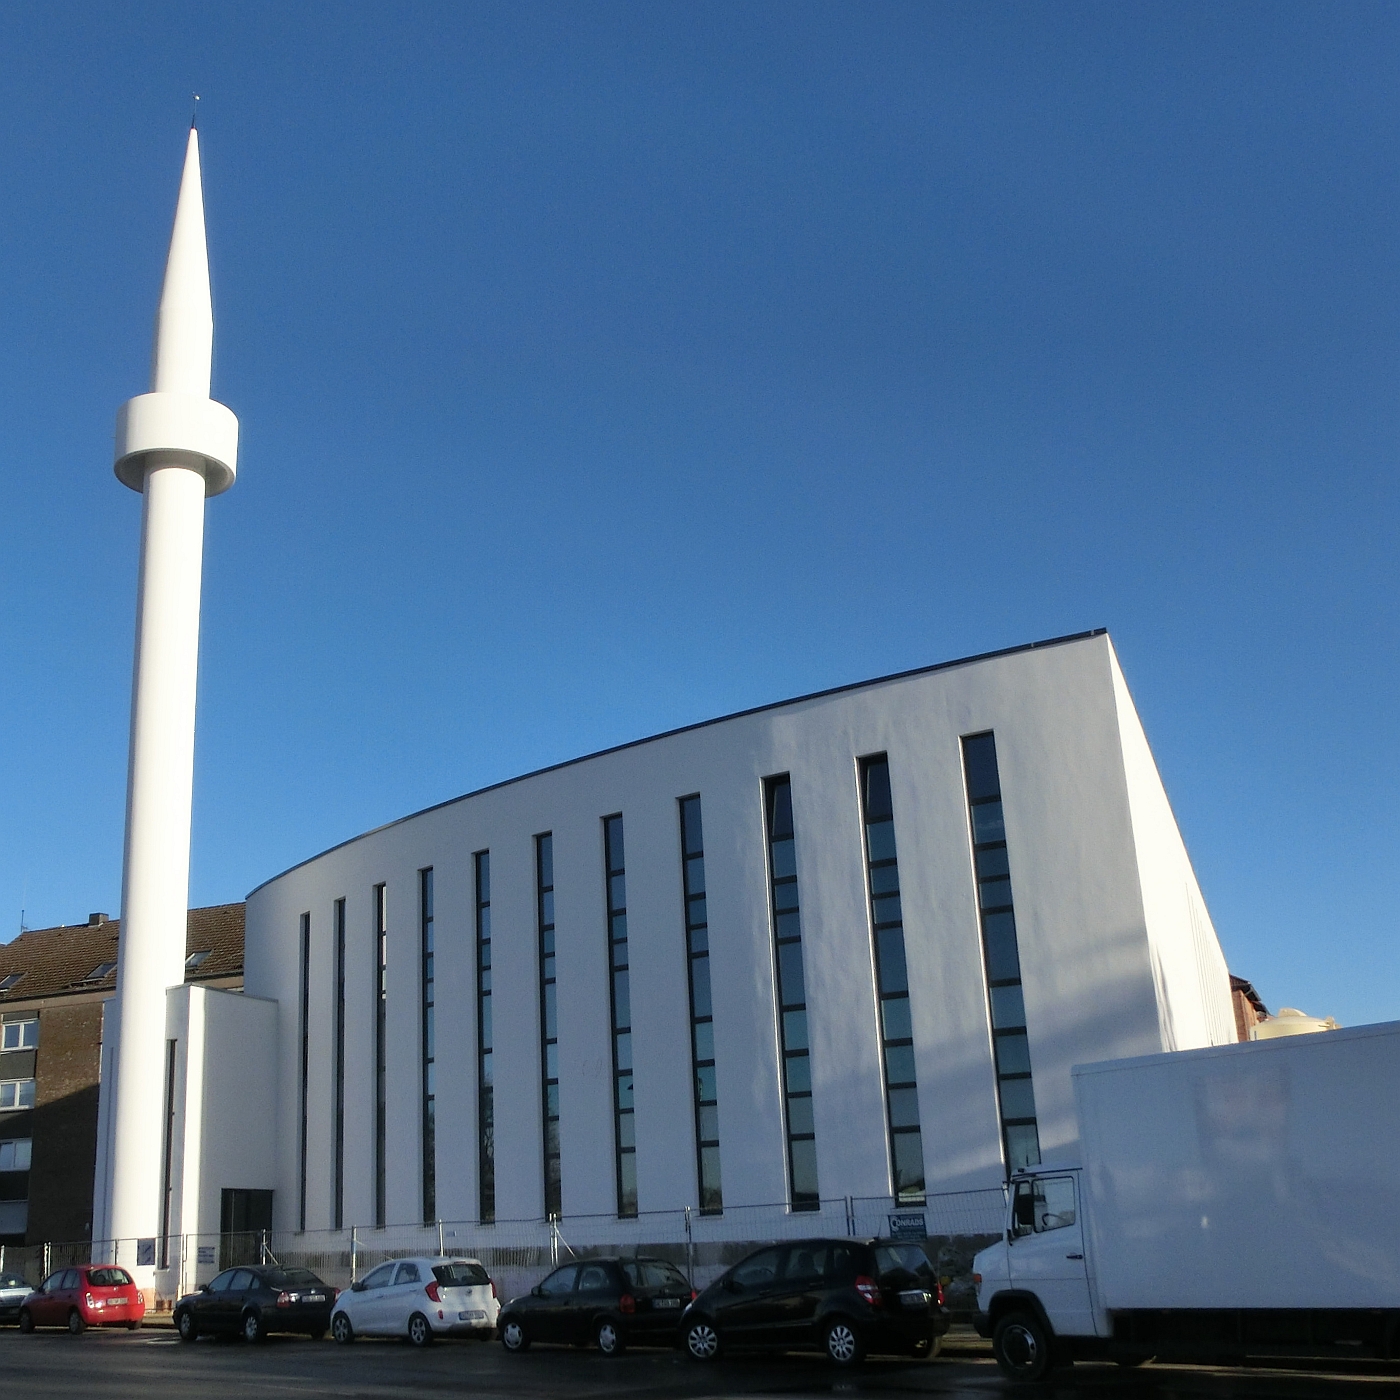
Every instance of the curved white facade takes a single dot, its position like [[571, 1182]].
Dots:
[[1117, 954]]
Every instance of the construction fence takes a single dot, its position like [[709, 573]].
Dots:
[[951, 1227]]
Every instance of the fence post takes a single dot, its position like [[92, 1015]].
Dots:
[[689, 1251], [553, 1241], [46, 1258], [850, 1216], [354, 1254], [442, 1253]]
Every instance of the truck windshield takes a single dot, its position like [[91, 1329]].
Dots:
[[1047, 1203]]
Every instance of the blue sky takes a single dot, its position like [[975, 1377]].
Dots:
[[603, 368]]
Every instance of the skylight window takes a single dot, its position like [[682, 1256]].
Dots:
[[9, 980], [194, 959], [100, 971]]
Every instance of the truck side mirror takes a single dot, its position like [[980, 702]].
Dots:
[[1023, 1212]]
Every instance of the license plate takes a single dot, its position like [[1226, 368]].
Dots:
[[475, 1316], [914, 1298], [666, 1302], [314, 1298]]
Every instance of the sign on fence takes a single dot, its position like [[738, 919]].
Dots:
[[908, 1225]]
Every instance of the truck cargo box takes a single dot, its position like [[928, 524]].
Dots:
[[1259, 1175]]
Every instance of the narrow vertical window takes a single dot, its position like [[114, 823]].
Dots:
[[485, 1093], [892, 982], [167, 1191], [549, 1021], [381, 1048], [1015, 1094], [339, 1183], [624, 1116], [702, 1021], [305, 1067], [792, 997], [425, 891]]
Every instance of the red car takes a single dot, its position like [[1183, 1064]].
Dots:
[[87, 1295]]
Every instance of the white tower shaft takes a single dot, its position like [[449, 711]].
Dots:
[[176, 446]]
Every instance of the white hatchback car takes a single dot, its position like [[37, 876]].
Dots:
[[419, 1299]]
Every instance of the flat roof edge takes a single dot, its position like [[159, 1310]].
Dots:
[[686, 729]]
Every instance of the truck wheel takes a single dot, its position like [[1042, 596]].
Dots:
[[1021, 1347]]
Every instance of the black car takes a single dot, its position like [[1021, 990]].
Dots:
[[251, 1302], [603, 1302], [845, 1297]]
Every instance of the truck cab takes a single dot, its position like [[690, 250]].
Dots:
[[1033, 1286]]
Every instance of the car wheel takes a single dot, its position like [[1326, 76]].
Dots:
[[928, 1347], [701, 1340], [253, 1329], [76, 1325], [1021, 1347], [514, 1337], [341, 1329], [607, 1337], [186, 1326], [420, 1331], [842, 1342], [317, 1336], [133, 1324], [26, 1322]]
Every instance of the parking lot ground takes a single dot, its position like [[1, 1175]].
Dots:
[[154, 1364]]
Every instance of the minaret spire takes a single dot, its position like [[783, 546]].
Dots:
[[182, 357], [175, 445]]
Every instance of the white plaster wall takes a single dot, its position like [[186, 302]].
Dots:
[[1193, 981], [1085, 950]]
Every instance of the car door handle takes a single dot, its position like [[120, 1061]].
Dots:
[[1074, 1256]]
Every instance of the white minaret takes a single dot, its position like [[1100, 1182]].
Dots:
[[176, 446]]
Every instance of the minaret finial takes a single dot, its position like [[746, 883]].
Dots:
[[194, 112]]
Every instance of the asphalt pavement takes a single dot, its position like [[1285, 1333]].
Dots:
[[153, 1364]]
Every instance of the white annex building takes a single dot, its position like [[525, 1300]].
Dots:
[[842, 948]]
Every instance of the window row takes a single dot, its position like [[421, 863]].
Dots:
[[894, 1013]]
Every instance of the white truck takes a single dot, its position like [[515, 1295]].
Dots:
[[1237, 1201]]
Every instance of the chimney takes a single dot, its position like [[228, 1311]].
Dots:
[[95, 920]]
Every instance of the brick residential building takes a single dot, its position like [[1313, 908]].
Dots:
[[53, 982]]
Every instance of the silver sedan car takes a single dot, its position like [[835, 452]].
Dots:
[[13, 1291]]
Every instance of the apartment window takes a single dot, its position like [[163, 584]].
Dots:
[[624, 1115], [892, 982], [305, 1000], [549, 1021], [381, 1048], [485, 1091], [702, 1021], [339, 1168], [16, 1093], [15, 1155], [792, 996], [19, 1035], [1015, 1093], [425, 894]]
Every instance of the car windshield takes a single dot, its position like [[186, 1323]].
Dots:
[[460, 1274], [292, 1278], [109, 1278], [653, 1273], [903, 1259]]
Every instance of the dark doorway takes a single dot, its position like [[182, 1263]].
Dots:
[[245, 1222]]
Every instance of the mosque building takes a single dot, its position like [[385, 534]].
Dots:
[[845, 947]]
